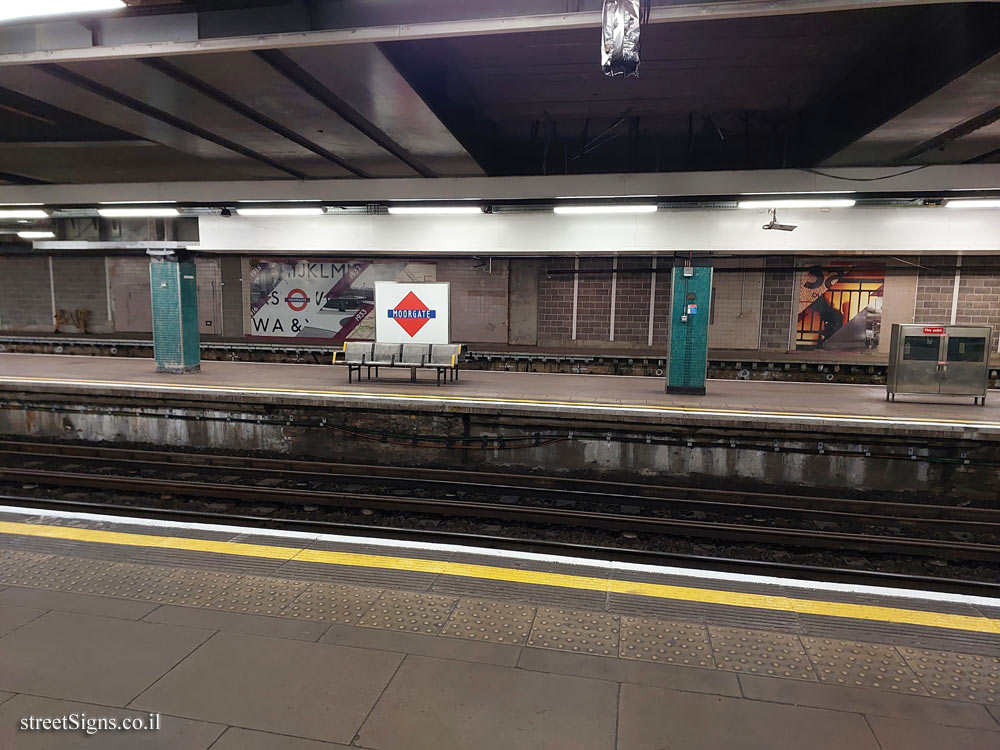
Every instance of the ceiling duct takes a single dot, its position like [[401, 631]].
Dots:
[[621, 21]]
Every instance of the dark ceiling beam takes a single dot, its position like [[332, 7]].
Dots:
[[20, 179], [937, 47], [969, 126], [57, 71], [309, 84], [432, 81], [234, 104]]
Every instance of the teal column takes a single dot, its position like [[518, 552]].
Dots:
[[687, 346], [174, 287]]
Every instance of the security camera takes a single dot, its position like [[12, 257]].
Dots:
[[773, 224]]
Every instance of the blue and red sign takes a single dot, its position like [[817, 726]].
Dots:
[[411, 314], [297, 300]]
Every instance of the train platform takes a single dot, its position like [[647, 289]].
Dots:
[[241, 638], [812, 407]]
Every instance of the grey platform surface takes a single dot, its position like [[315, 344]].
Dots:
[[812, 406], [288, 663]]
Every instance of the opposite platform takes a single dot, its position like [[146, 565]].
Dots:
[[788, 406]]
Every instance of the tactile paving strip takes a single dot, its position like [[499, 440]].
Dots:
[[575, 630], [959, 676], [124, 580], [14, 565], [759, 652], [650, 639], [332, 602], [188, 587], [257, 595], [858, 664], [412, 611], [62, 573], [482, 620]]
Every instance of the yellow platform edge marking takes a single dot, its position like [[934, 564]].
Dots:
[[494, 399], [512, 575]]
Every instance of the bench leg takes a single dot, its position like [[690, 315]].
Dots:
[[413, 374], [350, 372]]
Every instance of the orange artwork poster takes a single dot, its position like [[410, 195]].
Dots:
[[840, 307]]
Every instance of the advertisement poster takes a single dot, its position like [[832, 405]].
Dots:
[[322, 299], [840, 307]]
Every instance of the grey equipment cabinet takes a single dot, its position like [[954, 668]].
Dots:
[[951, 360]]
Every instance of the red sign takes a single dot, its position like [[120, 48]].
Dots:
[[412, 314], [934, 330], [297, 300]]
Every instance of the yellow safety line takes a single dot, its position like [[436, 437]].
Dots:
[[513, 575], [495, 399]]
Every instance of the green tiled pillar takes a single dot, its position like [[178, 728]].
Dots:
[[687, 347], [174, 288]]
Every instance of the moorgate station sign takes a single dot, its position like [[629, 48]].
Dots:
[[412, 313]]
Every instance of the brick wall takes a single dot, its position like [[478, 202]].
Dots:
[[593, 312], [81, 285], [776, 309], [661, 313], [25, 301], [478, 299], [632, 301], [934, 291], [979, 295], [555, 302]]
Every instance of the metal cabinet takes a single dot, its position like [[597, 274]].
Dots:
[[939, 359]]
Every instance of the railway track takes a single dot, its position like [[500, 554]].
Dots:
[[794, 521]]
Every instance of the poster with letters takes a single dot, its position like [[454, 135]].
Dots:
[[332, 300]]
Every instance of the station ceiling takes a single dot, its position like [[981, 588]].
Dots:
[[267, 90]]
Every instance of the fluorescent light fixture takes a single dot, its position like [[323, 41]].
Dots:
[[430, 210], [130, 203], [314, 211], [598, 209], [23, 213], [137, 213], [799, 203], [973, 203], [39, 8], [36, 235]]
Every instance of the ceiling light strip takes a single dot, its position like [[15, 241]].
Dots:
[[137, 213], [973, 203], [434, 210], [799, 203], [310, 211], [598, 209], [42, 8]]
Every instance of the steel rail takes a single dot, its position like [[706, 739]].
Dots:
[[584, 490], [564, 517]]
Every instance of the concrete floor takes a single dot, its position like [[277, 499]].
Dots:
[[236, 666]]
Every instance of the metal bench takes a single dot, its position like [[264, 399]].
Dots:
[[357, 354], [383, 355], [442, 358]]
